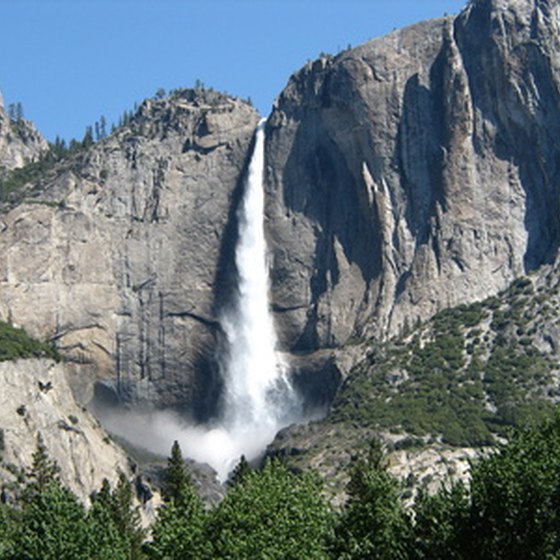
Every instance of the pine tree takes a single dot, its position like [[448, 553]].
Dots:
[[176, 476], [52, 523], [373, 524], [87, 141], [440, 522], [107, 540], [52, 526], [178, 533], [127, 516], [44, 471], [103, 127], [239, 473], [273, 514], [6, 532]]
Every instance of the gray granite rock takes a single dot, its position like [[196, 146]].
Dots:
[[20, 143], [414, 172], [36, 399], [122, 258]]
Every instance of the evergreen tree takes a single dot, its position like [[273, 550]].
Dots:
[[52, 526], [44, 471], [178, 533], [107, 542], [103, 127], [58, 148], [6, 531], [273, 514], [87, 141], [515, 497], [176, 477], [126, 516], [440, 522], [373, 524], [12, 111], [241, 470]]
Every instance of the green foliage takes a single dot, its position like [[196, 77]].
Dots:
[[6, 532], [241, 470], [440, 524], [441, 378], [107, 541], [125, 515], [178, 533], [511, 511], [272, 514], [52, 526], [15, 112], [12, 183], [373, 524], [16, 343], [44, 472], [515, 497], [176, 477]]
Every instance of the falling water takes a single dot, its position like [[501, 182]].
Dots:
[[258, 396], [258, 399]]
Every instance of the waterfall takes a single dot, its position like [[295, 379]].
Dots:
[[258, 399]]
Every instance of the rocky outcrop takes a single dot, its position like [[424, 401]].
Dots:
[[20, 143], [119, 257], [415, 172], [35, 398]]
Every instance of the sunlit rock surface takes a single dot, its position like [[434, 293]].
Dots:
[[35, 399]]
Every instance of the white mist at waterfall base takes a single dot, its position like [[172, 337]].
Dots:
[[258, 399]]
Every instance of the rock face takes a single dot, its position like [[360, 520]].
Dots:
[[36, 398], [121, 258], [20, 142], [415, 172], [407, 175]]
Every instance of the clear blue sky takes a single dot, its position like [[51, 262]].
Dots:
[[70, 61]]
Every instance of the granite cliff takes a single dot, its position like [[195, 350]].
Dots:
[[20, 142], [415, 172], [36, 399], [117, 253]]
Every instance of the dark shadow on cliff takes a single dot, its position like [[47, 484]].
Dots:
[[418, 152], [526, 136], [319, 184]]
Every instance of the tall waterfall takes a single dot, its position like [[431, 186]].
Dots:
[[258, 399]]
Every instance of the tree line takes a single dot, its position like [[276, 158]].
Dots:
[[511, 510]]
